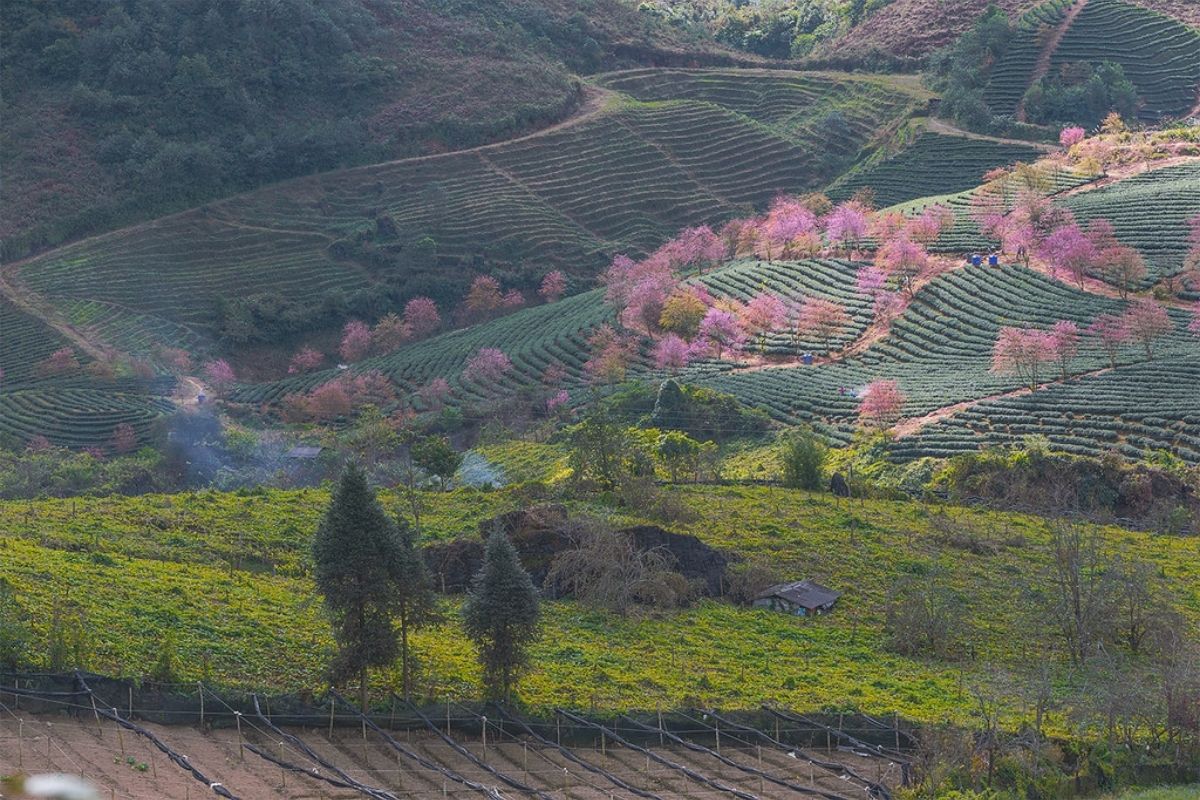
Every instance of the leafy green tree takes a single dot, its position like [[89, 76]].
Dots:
[[360, 568], [501, 616], [803, 460], [600, 446], [435, 455], [166, 666], [416, 603], [680, 454], [15, 634]]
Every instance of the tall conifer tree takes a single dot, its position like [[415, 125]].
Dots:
[[501, 616]]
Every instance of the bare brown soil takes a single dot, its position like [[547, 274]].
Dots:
[[124, 766]]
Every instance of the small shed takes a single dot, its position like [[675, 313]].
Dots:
[[802, 598], [304, 452]]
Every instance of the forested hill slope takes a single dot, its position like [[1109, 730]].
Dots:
[[114, 112]]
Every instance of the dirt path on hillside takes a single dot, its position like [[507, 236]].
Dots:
[[908, 427], [939, 125], [32, 304], [1042, 65]]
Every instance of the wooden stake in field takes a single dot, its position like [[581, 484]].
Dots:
[[237, 715]]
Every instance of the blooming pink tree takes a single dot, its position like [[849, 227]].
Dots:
[[1071, 136], [1123, 267], [61, 362], [1023, 351], [1068, 249], [486, 366], [1147, 322], [882, 404], [822, 319], [219, 375], [720, 330], [763, 314], [637, 290], [696, 247], [38, 444], [1113, 332], [557, 402], [435, 393], [847, 225], [356, 341], [421, 316], [329, 401], [1064, 344], [554, 286], [786, 222], [671, 353], [905, 259], [306, 359], [178, 361], [871, 280], [930, 224]]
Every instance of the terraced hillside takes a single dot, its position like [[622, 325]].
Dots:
[[1132, 410], [1009, 77], [1160, 55], [935, 163], [1149, 212], [621, 177]]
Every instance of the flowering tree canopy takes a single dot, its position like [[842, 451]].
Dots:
[[484, 296], [822, 319], [1113, 332], [421, 316], [671, 353], [1023, 351], [389, 333], [1064, 344], [219, 375], [903, 258], [554, 286], [61, 362], [764, 313], [847, 224], [1071, 136], [1147, 321], [882, 403], [720, 330], [486, 366], [610, 355], [356, 340], [306, 359]]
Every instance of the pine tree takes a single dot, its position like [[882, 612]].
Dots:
[[501, 616], [360, 567], [415, 600]]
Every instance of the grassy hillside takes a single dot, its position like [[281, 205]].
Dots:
[[114, 113], [622, 178], [228, 574]]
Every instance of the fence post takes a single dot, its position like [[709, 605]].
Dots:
[[332, 707], [237, 715], [200, 691]]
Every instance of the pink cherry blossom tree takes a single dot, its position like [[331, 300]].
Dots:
[[1022, 351], [356, 341], [1071, 136], [487, 366], [435, 393], [422, 317], [763, 314], [554, 286], [786, 222], [882, 404], [847, 225], [698, 247], [671, 353], [822, 319], [905, 259], [557, 402], [1147, 322], [1113, 333], [306, 359], [219, 375], [930, 224], [61, 362], [1069, 250], [720, 330], [1064, 344]]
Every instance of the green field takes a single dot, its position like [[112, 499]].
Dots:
[[227, 573], [675, 148]]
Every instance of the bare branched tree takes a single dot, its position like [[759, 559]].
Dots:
[[1080, 603], [605, 569]]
